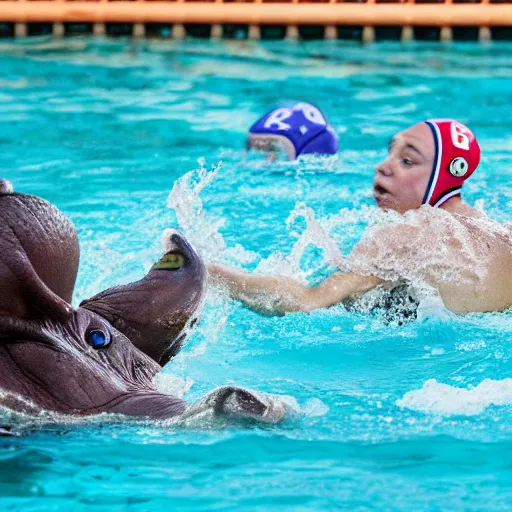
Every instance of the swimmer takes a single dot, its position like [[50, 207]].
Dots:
[[299, 130], [435, 239]]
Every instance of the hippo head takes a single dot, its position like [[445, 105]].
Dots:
[[93, 358], [155, 311]]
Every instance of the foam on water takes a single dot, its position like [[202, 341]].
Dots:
[[16, 423], [438, 398]]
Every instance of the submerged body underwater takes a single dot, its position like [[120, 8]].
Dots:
[[390, 413]]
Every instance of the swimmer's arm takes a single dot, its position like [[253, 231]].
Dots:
[[279, 295]]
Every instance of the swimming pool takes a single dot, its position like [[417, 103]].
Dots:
[[412, 417]]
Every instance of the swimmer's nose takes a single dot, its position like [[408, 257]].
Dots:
[[384, 168]]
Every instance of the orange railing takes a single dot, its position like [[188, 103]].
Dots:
[[331, 14]]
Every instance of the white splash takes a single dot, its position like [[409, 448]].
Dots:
[[200, 228], [446, 400], [316, 233], [171, 384], [425, 247], [203, 230], [417, 248]]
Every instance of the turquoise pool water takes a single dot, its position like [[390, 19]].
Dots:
[[412, 417]]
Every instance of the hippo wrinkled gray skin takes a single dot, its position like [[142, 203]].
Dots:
[[103, 355]]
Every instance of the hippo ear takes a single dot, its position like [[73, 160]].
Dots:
[[36, 295], [39, 255]]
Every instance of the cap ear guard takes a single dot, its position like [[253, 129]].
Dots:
[[458, 167]]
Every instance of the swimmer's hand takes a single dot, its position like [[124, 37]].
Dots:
[[233, 402]]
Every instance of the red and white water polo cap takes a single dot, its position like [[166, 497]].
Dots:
[[457, 155]]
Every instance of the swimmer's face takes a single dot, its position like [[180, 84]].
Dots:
[[273, 145], [402, 178]]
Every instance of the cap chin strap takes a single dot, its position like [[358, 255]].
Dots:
[[447, 195]]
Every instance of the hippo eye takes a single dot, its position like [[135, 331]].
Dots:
[[170, 261], [98, 339]]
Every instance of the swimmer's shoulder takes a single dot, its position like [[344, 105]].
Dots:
[[385, 249], [480, 224], [393, 236]]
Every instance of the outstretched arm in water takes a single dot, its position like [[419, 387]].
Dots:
[[279, 294]]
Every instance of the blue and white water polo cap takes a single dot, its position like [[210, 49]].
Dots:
[[299, 130]]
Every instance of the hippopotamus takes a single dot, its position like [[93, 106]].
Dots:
[[103, 355]]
